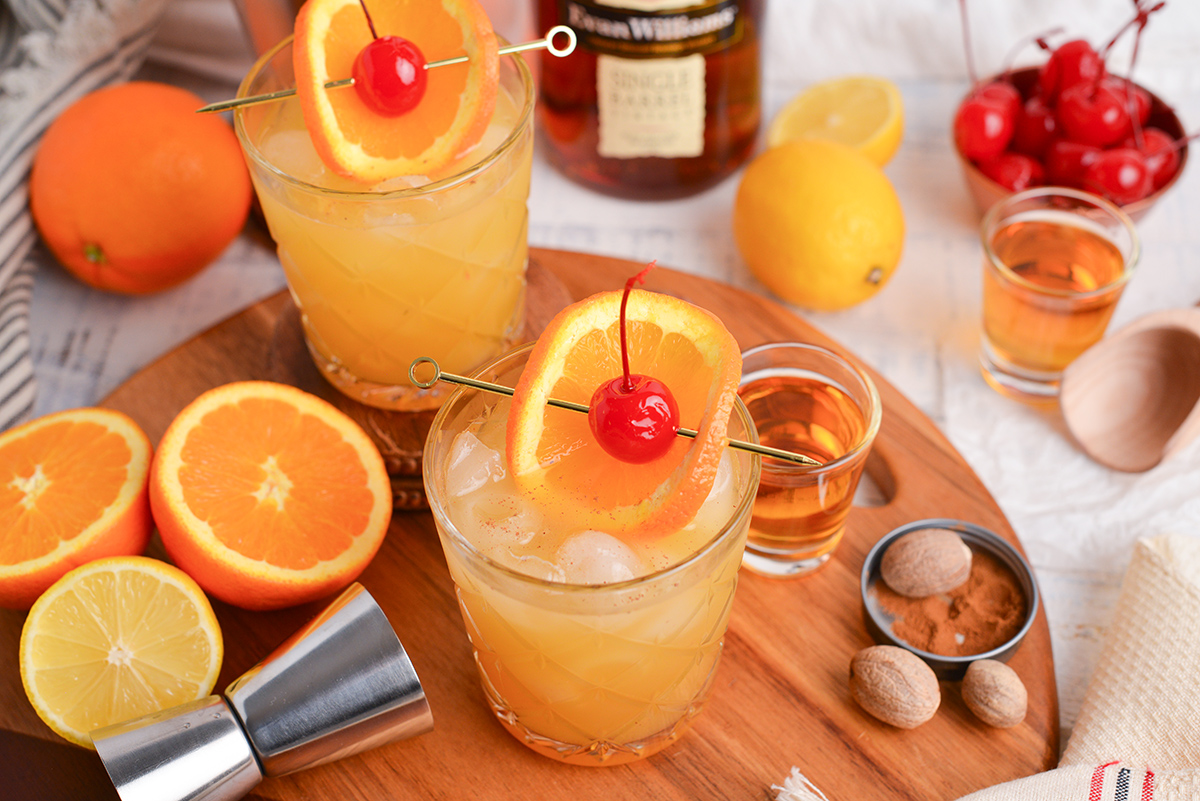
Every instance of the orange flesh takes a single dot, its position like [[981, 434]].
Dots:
[[442, 38], [359, 143], [568, 439], [552, 453], [289, 493], [83, 466]]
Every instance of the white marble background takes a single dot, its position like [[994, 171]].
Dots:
[[1078, 521]]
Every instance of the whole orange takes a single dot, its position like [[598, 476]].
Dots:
[[135, 192]]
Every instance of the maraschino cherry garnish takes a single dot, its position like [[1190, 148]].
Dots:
[[389, 73], [633, 417]]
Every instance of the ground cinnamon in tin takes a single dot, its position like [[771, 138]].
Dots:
[[979, 615]]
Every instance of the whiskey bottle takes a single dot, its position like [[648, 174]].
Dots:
[[661, 98]]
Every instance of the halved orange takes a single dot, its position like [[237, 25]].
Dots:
[[72, 489], [116, 639], [355, 141], [268, 496], [552, 453]]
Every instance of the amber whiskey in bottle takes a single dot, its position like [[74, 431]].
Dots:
[[661, 98]]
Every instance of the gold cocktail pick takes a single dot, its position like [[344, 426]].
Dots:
[[499, 389], [547, 43]]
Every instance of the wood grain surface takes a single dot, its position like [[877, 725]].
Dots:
[[780, 697]]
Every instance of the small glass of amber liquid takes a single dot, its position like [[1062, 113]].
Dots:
[[1055, 262], [807, 400]]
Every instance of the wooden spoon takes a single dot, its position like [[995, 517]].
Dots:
[[1133, 399]]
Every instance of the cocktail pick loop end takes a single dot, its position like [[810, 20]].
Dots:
[[546, 43]]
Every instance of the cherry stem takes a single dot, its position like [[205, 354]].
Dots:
[[640, 278], [966, 32], [1143, 18], [1140, 19], [1183, 140], [1038, 39], [370, 22]]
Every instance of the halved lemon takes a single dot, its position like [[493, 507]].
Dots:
[[552, 452], [865, 112], [355, 141], [116, 639]]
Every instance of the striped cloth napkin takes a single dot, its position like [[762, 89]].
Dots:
[[52, 52], [1138, 733]]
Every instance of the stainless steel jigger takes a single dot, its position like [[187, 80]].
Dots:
[[340, 685]]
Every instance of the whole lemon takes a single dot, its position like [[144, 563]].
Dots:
[[819, 224]]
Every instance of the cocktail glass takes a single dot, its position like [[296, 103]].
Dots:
[[590, 674], [415, 266]]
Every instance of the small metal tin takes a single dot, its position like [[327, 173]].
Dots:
[[977, 538]]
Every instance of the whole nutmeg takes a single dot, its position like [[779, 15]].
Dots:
[[926, 562], [894, 685], [994, 692]]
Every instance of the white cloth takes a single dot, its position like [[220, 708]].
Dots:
[[1115, 781], [1137, 735], [53, 52], [1143, 701]]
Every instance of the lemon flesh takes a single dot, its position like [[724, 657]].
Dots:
[[864, 112], [117, 639]]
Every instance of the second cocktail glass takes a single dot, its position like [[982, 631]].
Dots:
[[586, 672], [416, 266]]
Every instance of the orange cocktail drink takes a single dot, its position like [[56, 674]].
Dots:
[[594, 646], [414, 265]]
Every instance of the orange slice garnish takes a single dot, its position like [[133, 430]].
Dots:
[[552, 453], [355, 141]]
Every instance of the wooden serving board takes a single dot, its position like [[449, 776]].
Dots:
[[780, 697]]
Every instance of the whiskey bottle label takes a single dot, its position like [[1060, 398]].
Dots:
[[650, 107], [650, 69], [653, 28]]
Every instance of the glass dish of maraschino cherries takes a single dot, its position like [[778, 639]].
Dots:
[[1070, 122]]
